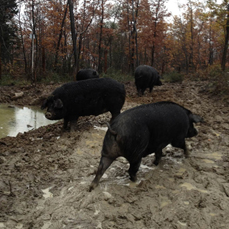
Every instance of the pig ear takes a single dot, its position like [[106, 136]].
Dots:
[[58, 104], [196, 118], [44, 105]]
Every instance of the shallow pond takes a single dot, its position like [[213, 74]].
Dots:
[[20, 119]]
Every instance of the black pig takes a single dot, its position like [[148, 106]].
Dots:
[[85, 74], [143, 130], [146, 77], [83, 98]]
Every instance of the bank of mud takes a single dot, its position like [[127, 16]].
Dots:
[[45, 173]]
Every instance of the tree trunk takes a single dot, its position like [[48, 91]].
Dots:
[[129, 35], [0, 60], [210, 60], [60, 36], [74, 36], [132, 52], [65, 59], [100, 40], [134, 36], [224, 57], [79, 52], [81, 35], [192, 43], [152, 56], [105, 60], [43, 60], [23, 45], [32, 44], [110, 54], [136, 43], [154, 34]]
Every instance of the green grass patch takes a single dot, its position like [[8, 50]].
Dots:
[[55, 78], [173, 77], [117, 75], [8, 80]]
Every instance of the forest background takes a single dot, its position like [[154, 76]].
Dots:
[[48, 40]]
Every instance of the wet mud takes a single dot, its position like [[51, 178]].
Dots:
[[45, 173]]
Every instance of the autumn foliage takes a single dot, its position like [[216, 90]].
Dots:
[[63, 36]]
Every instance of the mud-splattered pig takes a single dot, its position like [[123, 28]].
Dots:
[[143, 130]]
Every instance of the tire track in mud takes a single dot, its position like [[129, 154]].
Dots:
[[45, 174]]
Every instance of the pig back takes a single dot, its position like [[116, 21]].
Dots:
[[161, 116], [91, 97], [149, 126], [85, 74]]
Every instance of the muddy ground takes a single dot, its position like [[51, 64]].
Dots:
[[45, 173]]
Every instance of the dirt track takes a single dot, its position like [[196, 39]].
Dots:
[[45, 173]]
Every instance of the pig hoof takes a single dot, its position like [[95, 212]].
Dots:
[[186, 154], [133, 178], [92, 187]]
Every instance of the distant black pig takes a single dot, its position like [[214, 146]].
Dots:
[[83, 98], [146, 77], [143, 130], [85, 74]]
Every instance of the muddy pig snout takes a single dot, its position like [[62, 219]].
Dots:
[[48, 115], [192, 132]]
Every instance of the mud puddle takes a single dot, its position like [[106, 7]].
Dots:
[[14, 120]]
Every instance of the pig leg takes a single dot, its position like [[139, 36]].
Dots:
[[186, 152], [134, 167], [65, 123], [150, 89], [139, 92], [158, 155], [72, 121], [182, 145], [143, 90], [73, 124], [105, 162]]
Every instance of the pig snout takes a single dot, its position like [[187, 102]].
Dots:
[[48, 115], [192, 132], [159, 83]]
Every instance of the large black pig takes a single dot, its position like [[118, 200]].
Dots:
[[143, 130], [83, 98], [146, 77], [85, 74]]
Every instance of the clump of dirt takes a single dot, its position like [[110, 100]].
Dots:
[[45, 173]]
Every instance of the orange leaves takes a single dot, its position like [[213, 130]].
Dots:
[[123, 32]]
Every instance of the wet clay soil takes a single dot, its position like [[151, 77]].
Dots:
[[45, 173]]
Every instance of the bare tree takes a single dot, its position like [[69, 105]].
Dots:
[[74, 35], [225, 49], [134, 35], [101, 37], [60, 35]]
